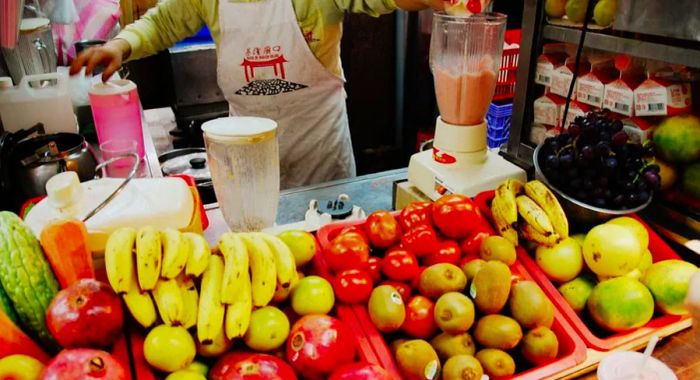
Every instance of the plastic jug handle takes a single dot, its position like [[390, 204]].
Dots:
[[60, 78]]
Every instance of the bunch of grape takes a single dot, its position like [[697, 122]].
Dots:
[[595, 162]]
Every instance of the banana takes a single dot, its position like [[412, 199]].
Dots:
[[282, 294], [262, 270], [499, 205], [285, 264], [168, 297], [544, 197], [190, 300], [140, 304], [534, 215], [119, 259], [236, 264], [199, 254], [238, 314], [530, 233], [148, 257], [210, 314], [176, 251]]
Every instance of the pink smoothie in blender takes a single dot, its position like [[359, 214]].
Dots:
[[462, 52]]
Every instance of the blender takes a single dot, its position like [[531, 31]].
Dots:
[[465, 56]]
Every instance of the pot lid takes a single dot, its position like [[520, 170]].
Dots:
[[192, 162]]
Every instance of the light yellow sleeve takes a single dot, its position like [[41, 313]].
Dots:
[[162, 26], [370, 7]]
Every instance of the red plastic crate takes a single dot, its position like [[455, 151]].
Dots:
[[572, 350], [505, 83], [594, 337]]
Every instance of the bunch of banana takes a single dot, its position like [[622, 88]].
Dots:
[[153, 270], [536, 214], [245, 273]]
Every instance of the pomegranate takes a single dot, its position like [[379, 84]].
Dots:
[[361, 371], [251, 366], [83, 364], [319, 344]]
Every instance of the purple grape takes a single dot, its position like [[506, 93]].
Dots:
[[652, 179], [601, 149], [552, 161], [619, 199], [565, 160], [603, 182], [616, 126], [643, 196], [654, 168], [610, 163], [587, 184], [619, 138], [574, 130], [587, 152]]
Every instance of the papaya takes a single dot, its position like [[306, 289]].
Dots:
[[14, 341], [26, 276], [677, 139], [65, 244]]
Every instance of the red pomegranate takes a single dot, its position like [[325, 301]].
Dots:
[[251, 366], [318, 345]]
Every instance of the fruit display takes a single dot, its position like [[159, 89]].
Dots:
[[447, 314], [575, 11], [594, 161]]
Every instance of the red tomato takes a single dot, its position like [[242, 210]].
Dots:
[[353, 286], [415, 214], [361, 371], [251, 366], [354, 230], [416, 279], [382, 229], [456, 216], [449, 252], [318, 345], [374, 267], [420, 318], [470, 246], [347, 252], [421, 239], [399, 265], [403, 289]]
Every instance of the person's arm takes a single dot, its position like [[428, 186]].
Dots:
[[379, 7], [417, 5], [160, 28]]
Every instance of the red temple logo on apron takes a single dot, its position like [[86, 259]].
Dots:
[[268, 60]]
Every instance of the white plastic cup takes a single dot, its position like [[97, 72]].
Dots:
[[625, 365]]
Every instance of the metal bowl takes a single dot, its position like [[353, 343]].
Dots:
[[579, 211]]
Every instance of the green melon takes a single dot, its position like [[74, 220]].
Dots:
[[691, 180], [621, 304], [668, 282], [677, 139]]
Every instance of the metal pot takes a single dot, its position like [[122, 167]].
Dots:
[[192, 162], [29, 164]]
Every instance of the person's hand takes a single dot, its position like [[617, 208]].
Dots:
[[109, 55]]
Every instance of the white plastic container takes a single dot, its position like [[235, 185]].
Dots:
[[624, 365], [23, 106], [158, 202]]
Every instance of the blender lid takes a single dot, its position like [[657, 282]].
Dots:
[[192, 162], [238, 126]]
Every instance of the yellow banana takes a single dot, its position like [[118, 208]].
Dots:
[[285, 264], [168, 297], [501, 219], [238, 313], [199, 254], [176, 251], [281, 294], [534, 215], [190, 300], [148, 257], [236, 264], [217, 347], [140, 304], [119, 259], [530, 233], [262, 270], [544, 197], [210, 314]]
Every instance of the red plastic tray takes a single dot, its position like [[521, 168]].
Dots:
[[593, 337], [572, 350]]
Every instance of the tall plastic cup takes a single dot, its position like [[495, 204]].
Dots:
[[243, 156], [116, 110]]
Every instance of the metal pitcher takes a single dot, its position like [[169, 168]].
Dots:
[[35, 52]]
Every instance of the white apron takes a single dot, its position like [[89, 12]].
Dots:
[[266, 68]]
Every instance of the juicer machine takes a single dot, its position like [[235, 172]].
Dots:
[[465, 56]]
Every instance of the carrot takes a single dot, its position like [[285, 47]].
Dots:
[[15, 341], [65, 245]]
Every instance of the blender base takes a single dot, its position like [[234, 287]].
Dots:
[[436, 180]]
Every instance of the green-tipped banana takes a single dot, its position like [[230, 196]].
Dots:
[[119, 259], [148, 257], [176, 251], [534, 215], [236, 264], [199, 254], [210, 315], [544, 197]]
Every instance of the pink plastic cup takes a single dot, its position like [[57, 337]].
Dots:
[[116, 110]]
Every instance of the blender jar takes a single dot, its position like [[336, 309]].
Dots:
[[243, 156], [465, 56]]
